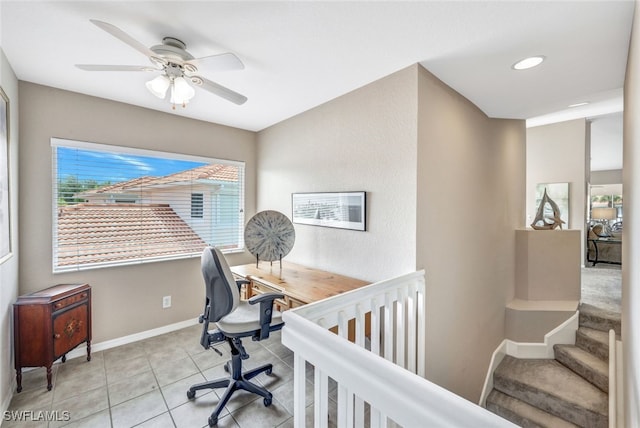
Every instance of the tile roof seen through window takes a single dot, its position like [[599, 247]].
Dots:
[[102, 233], [212, 173]]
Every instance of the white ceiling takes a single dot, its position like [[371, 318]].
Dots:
[[301, 54]]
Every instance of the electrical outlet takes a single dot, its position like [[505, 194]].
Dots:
[[166, 302]]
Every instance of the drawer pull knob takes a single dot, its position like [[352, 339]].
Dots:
[[58, 305], [56, 336]]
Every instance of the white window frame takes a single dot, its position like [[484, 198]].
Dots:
[[66, 143]]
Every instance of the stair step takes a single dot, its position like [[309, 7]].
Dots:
[[550, 386], [523, 414], [599, 319], [584, 363], [593, 341]]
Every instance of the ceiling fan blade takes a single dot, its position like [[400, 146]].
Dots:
[[220, 62], [96, 67], [219, 90], [119, 34]]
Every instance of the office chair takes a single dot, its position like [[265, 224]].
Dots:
[[234, 320]]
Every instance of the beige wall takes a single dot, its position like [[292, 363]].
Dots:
[[548, 264], [559, 153], [364, 140], [126, 299], [470, 201], [432, 164], [631, 233], [9, 268]]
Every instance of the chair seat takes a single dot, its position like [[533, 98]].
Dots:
[[246, 318]]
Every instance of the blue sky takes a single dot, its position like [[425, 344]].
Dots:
[[115, 167]]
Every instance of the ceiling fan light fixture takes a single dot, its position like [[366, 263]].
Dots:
[[158, 86], [181, 91], [530, 62]]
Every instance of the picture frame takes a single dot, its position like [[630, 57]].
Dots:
[[559, 193], [5, 197], [342, 210]]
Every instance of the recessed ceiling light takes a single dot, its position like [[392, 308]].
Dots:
[[579, 104], [529, 62]]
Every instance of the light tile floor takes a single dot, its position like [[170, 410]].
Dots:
[[144, 384]]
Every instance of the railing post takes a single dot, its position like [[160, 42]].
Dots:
[[321, 399], [299, 390], [613, 407], [388, 327], [422, 336], [375, 376], [375, 327]]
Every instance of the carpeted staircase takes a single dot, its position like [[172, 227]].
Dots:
[[570, 390]]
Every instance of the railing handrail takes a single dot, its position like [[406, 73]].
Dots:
[[367, 375], [613, 405], [408, 399], [316, 310]]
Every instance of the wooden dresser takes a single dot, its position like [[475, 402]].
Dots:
[[48, 324]]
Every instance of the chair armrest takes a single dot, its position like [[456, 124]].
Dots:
[[266, 310], [241, 282]]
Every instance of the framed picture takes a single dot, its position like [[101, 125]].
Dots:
[[559, 193], [5, 223], [344, 210]]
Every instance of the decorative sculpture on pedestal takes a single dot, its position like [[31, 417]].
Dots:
[[547, 223], [269, 236]]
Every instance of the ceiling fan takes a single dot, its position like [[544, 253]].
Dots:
[[178, 67]]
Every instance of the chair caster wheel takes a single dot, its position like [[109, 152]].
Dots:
[[267, 402], [226, 367], [191, 394], [268, 372], [213, 421]]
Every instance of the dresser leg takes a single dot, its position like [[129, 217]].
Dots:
[[19, 379], [49, 386], [88, 350]]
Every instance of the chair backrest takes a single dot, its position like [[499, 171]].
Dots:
[[221, 289]]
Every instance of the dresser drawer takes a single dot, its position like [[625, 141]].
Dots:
[[63, 303]]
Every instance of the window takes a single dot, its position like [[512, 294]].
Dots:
[[197, 205], [116, 205]]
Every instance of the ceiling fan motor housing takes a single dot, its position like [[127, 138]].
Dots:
[[172, 50]]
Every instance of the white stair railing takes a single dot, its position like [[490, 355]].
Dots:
[[375, 362]]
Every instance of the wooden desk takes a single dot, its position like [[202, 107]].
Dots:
[[299, 284]]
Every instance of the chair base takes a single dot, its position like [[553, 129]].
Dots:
[[237, 381]]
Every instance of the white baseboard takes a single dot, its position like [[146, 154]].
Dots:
[[81, 350], [8, 397], [564, 334], [496, 359]]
